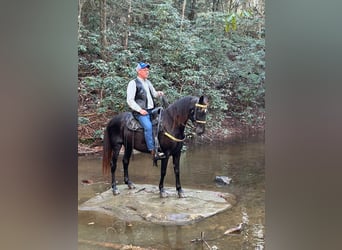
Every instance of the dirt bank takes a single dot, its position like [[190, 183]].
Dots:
[[90, 144]]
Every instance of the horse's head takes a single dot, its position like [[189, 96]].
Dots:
[[198, 115]]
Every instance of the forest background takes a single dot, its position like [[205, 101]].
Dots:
[[195, 47]]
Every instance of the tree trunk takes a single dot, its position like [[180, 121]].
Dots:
[[216, 4], [103, 25], [80, 6], [183, 13], [230, 6], [192, 13], [127, 33]]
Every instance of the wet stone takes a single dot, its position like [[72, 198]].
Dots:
[[144, 204]]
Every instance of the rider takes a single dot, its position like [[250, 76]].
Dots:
[[140, 94]]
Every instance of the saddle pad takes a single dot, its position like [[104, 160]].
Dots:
[[134, 124]]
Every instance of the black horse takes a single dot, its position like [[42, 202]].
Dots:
[[170, 136]]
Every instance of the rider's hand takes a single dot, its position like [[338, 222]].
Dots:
[[160, 93], [143, 112]]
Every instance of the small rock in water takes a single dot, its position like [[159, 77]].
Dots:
[[225, 180]]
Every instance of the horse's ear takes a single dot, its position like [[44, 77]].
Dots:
[[203, 100]]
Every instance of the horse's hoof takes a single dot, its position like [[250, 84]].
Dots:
[[131, 185], [116, 191], [163, 194], [181, 194]]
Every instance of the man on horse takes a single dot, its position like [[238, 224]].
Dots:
[[140, 94]]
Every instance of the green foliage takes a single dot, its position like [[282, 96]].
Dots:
[[217, 54], [83, 120], [98, 134], [230, 22], [234, 18]]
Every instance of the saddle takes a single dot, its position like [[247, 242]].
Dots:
[[133, 124]]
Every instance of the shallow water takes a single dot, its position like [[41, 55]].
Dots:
[[243, 160]]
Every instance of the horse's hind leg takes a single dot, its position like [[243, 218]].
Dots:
[[125, 162], [116, 151]]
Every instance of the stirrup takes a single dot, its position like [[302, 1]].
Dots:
[[159, 155]]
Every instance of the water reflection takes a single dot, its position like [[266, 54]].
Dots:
[[243, 161]]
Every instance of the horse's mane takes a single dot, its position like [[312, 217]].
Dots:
[[179, 110], [182, 105]]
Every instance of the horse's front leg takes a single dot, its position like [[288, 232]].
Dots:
[[162, 191], [176, 160], [125, 162]]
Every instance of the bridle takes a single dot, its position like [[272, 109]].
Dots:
[[203, 108], [194, 119]]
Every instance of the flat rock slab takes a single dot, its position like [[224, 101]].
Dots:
[[144, 204]]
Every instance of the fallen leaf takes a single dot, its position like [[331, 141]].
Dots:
[[234, 230], [87, 181]]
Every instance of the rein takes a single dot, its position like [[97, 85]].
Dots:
[[173, 138]]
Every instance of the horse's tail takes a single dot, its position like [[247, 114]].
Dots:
[[107, 153]]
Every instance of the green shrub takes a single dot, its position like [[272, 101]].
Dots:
[[201, 56]]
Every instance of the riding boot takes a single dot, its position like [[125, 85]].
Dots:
[[158, 153], [154, 158]]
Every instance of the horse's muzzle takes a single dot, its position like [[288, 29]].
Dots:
[[200, 130]]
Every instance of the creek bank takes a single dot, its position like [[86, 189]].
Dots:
[[231, 129]]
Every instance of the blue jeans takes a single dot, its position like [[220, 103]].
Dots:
[[146, 122]]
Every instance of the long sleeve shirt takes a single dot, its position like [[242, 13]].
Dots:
[[131, 90]]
